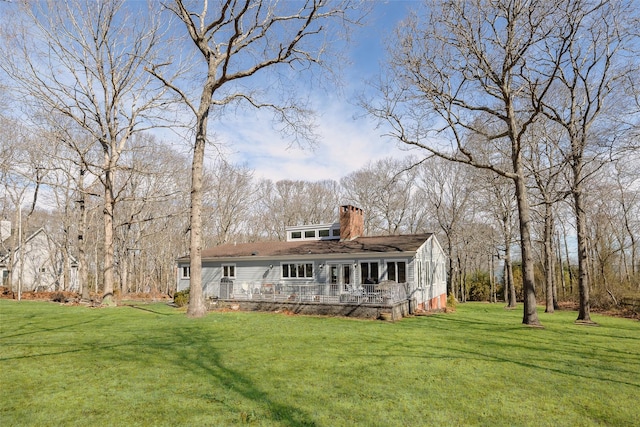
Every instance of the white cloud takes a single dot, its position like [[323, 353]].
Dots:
[[345, 145]]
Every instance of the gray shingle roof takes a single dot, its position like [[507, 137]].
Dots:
[[361, 245]]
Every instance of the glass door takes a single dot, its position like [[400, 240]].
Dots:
[[340, 277]]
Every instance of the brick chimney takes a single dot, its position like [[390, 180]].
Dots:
[[351, 222]]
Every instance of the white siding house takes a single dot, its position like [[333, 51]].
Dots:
[[39, 263], [327, 263]]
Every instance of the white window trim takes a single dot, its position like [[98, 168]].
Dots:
[[235, 270], [313, 269], [354, 271], [373, 261], [332, 229], [187, 269], [396, 260]]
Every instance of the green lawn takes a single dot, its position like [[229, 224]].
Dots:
[[151, 365]]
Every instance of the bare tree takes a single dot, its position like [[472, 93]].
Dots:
[[447, 189], [150, 189], [75, 163], [287, 203], [362, 188], [238, 41], [385, 190], [546, 166], [469, 74], [628, 197], [228, 200], [500, 208], [85, 61], [23, 172], [595, 71]]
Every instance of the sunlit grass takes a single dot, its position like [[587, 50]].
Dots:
[[153, 366]]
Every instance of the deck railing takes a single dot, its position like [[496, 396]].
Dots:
[[385, 293]]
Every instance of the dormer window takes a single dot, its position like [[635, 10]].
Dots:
[[313, 232]]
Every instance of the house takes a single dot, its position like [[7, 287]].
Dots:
[[41, 262], [327, 264]]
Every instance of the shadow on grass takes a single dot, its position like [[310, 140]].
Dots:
[[186, 347], [552, 348], [208, 361], [137, 307], [87, 348], [41, 329], [568, 372]]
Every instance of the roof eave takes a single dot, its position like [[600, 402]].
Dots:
[[288, 257]]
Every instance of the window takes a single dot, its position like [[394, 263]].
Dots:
[[309, 234], [323, 233], [397, 271], [229, 270], [335, 232], [185, 272], [296, 234], [369, 272], [301, 270]]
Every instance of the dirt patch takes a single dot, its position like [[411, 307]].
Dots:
[[58, 296], [628, 313], [73, 297], [621, 311]]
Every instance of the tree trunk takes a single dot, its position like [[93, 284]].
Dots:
[[83, 271], [492, 282], [450, 277], [196, 299], [457, 283], [509, 283], [505, 289], [584, 310], [66, 272], [107, 294], [548, 258], [561, 263], [124, 276], [13, 254], [530, 314], [554, 261], [570, 271]]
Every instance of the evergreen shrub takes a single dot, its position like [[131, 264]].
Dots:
[[181, 298]]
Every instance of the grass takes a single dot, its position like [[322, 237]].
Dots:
[[151, 366]]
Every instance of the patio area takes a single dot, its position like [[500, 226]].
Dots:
[[385, 293]]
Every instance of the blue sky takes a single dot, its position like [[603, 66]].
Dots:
[[348, 141]]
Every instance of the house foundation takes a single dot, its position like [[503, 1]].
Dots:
[[393, 312]]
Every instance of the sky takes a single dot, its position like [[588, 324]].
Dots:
[[348, 140]]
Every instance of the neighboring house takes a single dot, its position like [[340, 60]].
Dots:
[[41, 262], [327, 264]]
